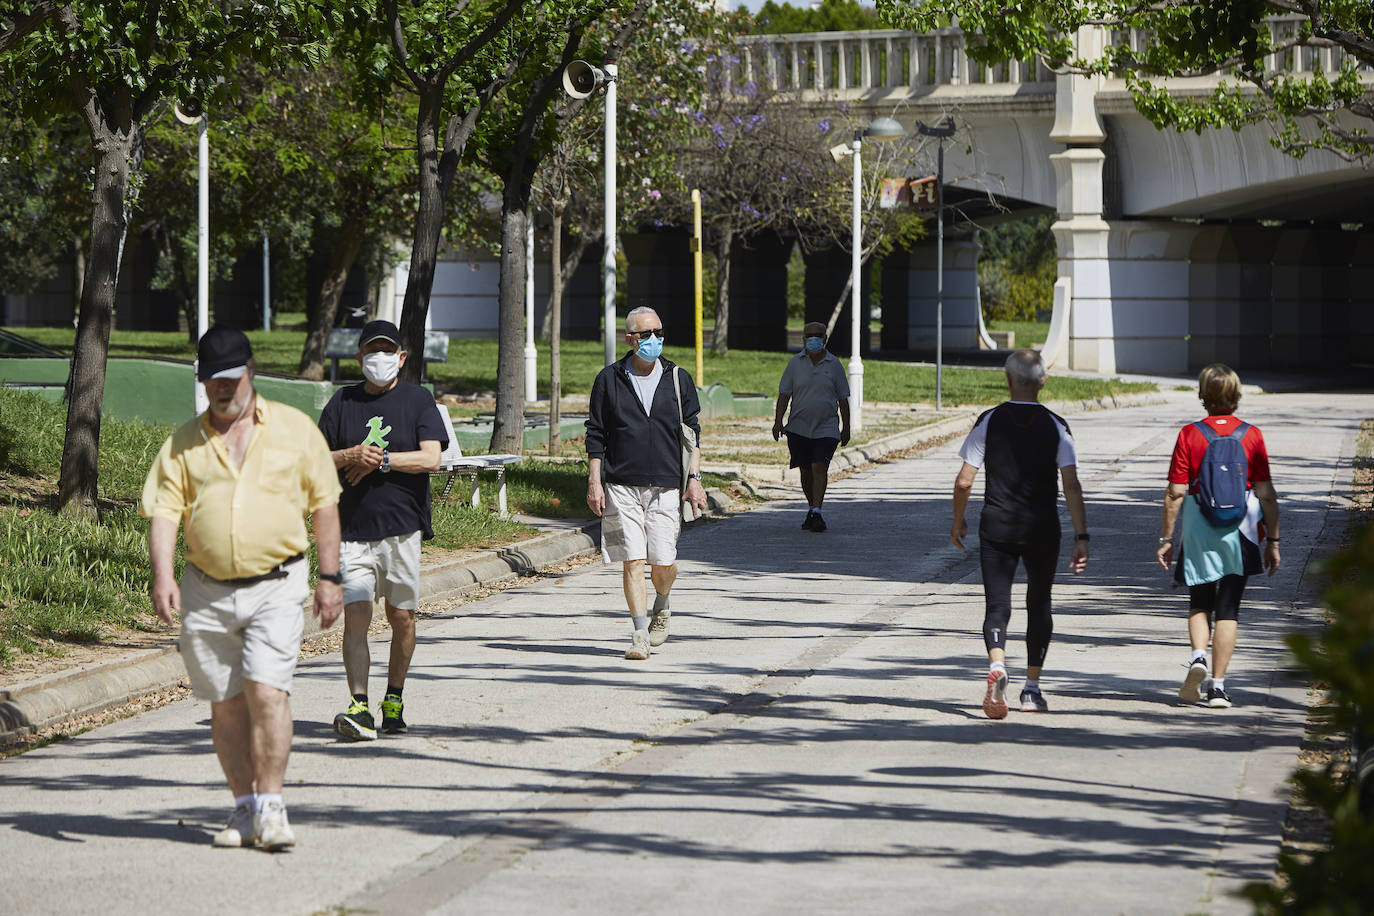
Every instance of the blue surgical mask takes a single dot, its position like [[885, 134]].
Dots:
[[815, 344], [650, 349]]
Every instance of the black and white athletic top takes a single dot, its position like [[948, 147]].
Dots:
[[1023, 444]]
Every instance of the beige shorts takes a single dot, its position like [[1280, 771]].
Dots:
[[387, 569], [232, 633], [641, 523]]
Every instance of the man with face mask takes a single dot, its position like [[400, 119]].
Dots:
[[634, 418], [815, 386], [240, 478], [386, 437]]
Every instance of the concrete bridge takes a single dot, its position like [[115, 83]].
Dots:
[[1175, 249]]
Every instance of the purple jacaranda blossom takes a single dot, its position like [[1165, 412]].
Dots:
[[824, 126]]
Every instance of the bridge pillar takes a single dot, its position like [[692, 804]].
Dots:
[[826, 272], [660, 276], [1230, 291], [909, 297], [758, 292]]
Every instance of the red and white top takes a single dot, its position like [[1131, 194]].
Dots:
[[1192, 445]]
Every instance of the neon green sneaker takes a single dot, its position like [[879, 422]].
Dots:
[[392, 723], [356, 723]]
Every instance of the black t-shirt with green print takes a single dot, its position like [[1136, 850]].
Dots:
[[383, 505]]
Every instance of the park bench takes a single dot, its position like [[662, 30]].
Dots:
[[343, 344], [454, 462]]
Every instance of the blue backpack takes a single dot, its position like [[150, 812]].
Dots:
[[1221, 477]]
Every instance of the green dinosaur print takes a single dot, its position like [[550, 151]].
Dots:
[[376, 433]]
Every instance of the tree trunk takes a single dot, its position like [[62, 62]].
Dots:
[[555, 316], [78, 485], [720, 337], [864, 256], [508, 430], [429, 223], [351, 235]]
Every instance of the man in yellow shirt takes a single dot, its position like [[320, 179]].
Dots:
[[241, 478]]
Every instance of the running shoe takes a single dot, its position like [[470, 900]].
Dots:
[[817, 523], [1033, 701], [356, 723], [239, 832], [1189, 691], [274, 832], [639, 646], [995, 703], [658, 627], [806, 522], [392, 721], [1218, 698]]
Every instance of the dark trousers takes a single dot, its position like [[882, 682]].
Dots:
[[999, 568], [1221, 598]]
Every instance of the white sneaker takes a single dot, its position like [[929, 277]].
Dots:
[[1194, 687], [639, 646], [239, 832], [274, 831], [658, 627]]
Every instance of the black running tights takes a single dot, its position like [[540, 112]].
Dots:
[[999, 568]]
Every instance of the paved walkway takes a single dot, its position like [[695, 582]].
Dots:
[[809, 740]]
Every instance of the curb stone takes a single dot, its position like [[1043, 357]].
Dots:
[[30, 706]]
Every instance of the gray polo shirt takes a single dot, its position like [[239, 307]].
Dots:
[[815, 390]]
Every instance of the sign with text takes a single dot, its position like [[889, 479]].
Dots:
[[917, 193]]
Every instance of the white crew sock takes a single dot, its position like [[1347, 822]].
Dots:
[[1219, 683], [998, 666], [263, 800], [1032, 684], [250, 800], [1198, 655]]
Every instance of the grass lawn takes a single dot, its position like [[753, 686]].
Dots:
[[471, 368], [1028, 333]]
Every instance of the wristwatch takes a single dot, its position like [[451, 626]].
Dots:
[[336, 578], [695, 476], [386, 462], [1083, 537]]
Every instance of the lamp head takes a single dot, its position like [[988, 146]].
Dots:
[[885, 129], [581, 79]]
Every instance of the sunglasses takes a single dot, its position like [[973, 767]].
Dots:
[[645, 335]]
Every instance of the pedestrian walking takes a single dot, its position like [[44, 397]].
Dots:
[[636, 479], [1022, 444], [386, 438], [241, 477], [814, 385], [1219, 482]]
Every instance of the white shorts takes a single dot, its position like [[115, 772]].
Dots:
[[232, 633], [388, 569], [641, 523]]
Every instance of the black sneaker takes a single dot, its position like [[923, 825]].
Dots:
[[356, 723], [806, 522], [392, 722], [817, 523], [1218, 698]]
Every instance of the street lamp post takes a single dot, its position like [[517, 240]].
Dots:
[[879, 129], [195, 115], [941, 132], [580, 80]]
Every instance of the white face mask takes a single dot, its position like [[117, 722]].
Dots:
[[381, 368]]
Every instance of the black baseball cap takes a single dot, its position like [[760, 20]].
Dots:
[[223, 352], [379, 329]]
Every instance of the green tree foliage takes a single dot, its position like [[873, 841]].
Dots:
[[829, 16], [1329, 109], [113, 64], [44, 200], [1017, 268], [1338, 879]]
